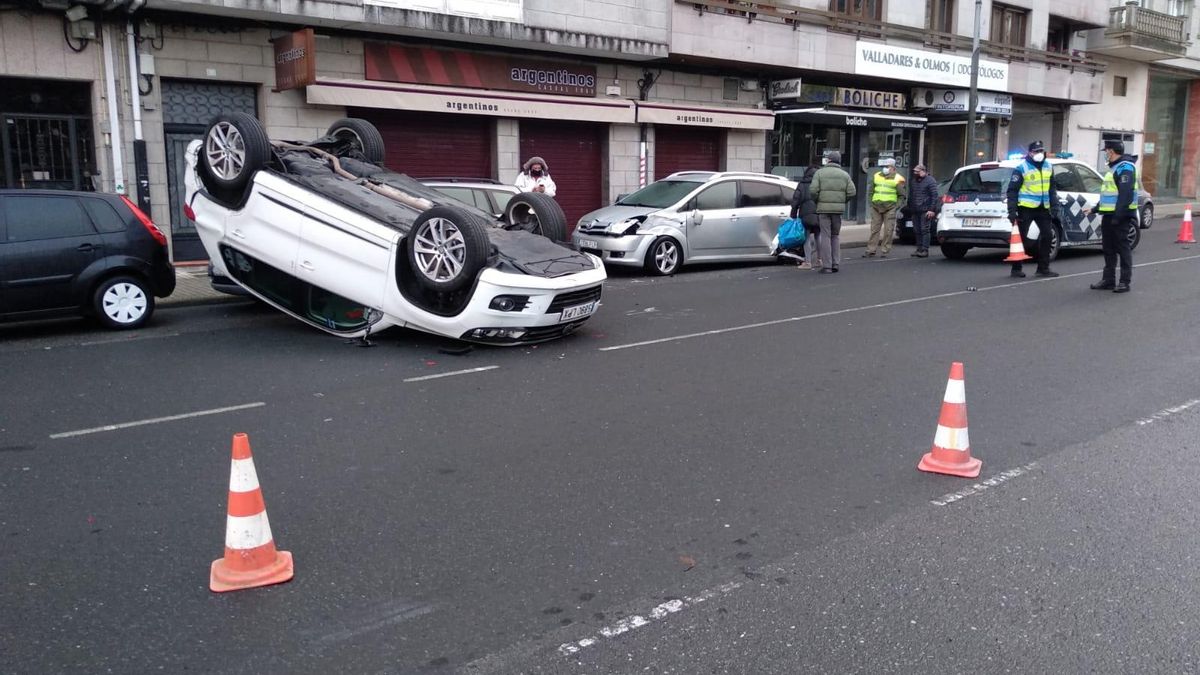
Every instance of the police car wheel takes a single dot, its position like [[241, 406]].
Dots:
[[1147, 217], [1056, 237], [1135, 237]]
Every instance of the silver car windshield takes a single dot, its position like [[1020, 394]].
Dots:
[[660, 194]]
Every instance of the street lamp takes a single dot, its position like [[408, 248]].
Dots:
[[973, 100]]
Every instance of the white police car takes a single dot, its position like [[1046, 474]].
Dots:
[[975, 209]]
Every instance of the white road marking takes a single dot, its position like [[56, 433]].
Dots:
[[659, 612], [113, 341], [450, 374], [156, 420], [864, 308], [1002, 477], [1163, 414]]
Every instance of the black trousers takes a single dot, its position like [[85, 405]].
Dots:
[[1041, 248], [1115, 233]]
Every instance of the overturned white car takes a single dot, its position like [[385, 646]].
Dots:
[[321, 231]]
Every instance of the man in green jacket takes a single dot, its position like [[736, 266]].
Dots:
[[832, 189]]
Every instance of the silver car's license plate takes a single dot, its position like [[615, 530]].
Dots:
[[976, 222], [588, 243], [578, 311]]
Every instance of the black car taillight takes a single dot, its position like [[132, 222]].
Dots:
[[146, 222]]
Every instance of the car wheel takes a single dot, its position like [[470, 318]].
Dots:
[[235, 147], [664, 257], [1135, 237], [1147, 216], [446, 247], [537, 213], [122, 303], [955, 251], [362, 138], [1056, 237]]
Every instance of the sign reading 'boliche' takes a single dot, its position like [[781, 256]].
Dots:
[[923, 67]]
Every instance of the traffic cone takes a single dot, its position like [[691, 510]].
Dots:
[[1016, 249], [951, 453], [1185, 228], [250, 556]]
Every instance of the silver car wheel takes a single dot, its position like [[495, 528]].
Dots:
[[1147, 217], [226, 150], [440, 249], [124, 303], [666, 256]]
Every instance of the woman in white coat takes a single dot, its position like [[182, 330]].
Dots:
[[535, 177]]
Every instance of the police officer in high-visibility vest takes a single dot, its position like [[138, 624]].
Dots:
[[885, 193], [1119, 214], [1032, 199]]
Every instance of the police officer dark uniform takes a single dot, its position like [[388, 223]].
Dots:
[[1118, 209], [1032, 199]]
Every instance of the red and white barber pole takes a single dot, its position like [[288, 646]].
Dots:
[[642, 164]]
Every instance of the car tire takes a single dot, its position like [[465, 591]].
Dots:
[[664, 257], [1056, 239], [235, 146], [363, 138], [955, 251], [538, 213], [123, 303], [446, 247], [1135, 237], [1146, 217]]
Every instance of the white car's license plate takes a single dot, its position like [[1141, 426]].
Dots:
[[577, 311], [976, 222], [588, 243]]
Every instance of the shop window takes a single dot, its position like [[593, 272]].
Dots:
[[859, 9], [1120, 85], [941, 16], [1009, 25]]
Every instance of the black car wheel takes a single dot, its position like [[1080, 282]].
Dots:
[[447, 247], [122, 303], [1134, 235], [537, 213], [955, 251], [235, 147], [1056, 237], [1147, 216], [664, 257], [361, 138]]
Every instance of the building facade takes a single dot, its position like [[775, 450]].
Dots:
[[106, 94]]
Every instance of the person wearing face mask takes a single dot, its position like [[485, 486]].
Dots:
[[1118, 206], [535, 177], [1032, 199], [832, 188], [885, 193]]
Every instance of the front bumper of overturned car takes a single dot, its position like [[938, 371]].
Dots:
[[541, 318]]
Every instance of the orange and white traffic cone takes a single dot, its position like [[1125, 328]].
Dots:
[[1016, 249], [951, 453], [1185, 228], [250, 556]]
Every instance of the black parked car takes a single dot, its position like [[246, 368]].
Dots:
[[80, 253]]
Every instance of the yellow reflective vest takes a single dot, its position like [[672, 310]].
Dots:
[[1035, 185], [886, 189]]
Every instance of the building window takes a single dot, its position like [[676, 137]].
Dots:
[[1009, 25], [858, 9], [941, 16], [731, 89], [1120, 85], [496, 10]]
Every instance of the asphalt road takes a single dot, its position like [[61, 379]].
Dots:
[[718, 474]]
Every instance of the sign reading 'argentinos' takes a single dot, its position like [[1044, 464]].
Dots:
[[422, 65]]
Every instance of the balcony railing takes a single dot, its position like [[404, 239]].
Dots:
[[1133, 20], [781, 12]]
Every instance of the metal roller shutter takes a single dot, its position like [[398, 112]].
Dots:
[[427, 145], [686, 149], [574, 152]]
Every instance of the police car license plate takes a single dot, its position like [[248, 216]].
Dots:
[[976, 222], [578, 311], [589, 243]]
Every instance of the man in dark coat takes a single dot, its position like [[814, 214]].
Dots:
[[1033, 199], [924, 203], [804, 208], [1118, 207]]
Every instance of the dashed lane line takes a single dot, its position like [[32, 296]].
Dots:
[[156, 420], [864, 308], [1168, 412], [994, 481], [449, 374]]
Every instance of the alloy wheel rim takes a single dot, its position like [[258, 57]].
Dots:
[[666, 257], [226, 150], [124, 303], [440, 249], [1149, 219]]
